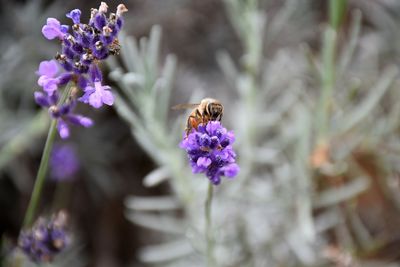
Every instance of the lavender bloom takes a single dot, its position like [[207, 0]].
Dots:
[[89, 43], [45, 239], [75, 15], [82, 49], [210, 151], [62, 112], [64, 163], [98, 95], [54, 29], [47, 71]]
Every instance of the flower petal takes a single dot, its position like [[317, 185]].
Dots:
[[52, 29], [75, 15], [47, 68], [41, 99], [203, 162], [107, 98], [63, 129], [95, 99], [80, 120], [231, 170]]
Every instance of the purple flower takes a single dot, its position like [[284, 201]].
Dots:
[[45, 239], [82, 49], [47, 72], [75, 15], [97, 95], [210, 151], [62, 113], [54, 29], [64, 163], [87, 43]]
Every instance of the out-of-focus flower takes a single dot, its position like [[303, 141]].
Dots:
[[64, 163], [82, 49], [45, 239], [210, 151]]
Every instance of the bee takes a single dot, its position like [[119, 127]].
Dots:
[[209, 109]]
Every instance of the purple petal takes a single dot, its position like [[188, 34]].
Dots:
[[85, 97], [80, 120], [231, 170], [54, 98], [49, 84], [95, 99], [95, 73], [64, 78], [100, 21], [65, 109], [107, 98], [41, 99], [212, 127], [75, 15], [48, 68], [82, 82], [64, 28], [203, 162], [216, 179], [52, 29], [63, 129]]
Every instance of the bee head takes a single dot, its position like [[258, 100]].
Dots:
[[215, 110]]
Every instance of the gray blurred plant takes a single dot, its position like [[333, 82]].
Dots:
[[302, 119]]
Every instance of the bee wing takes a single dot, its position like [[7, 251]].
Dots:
[[185, 106]]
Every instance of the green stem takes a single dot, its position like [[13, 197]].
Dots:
[[44, 162], [328, 82], [209, 234], [41, 175]]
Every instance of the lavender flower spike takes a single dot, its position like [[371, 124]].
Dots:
[[210, 151], [83, 47], [45, 239]]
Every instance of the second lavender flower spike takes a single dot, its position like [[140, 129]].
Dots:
[[210, 151]]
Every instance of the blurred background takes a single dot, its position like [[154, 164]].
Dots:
[[310, 88]]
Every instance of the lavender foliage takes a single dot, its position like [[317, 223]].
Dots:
[[209, 148], [46, 238]]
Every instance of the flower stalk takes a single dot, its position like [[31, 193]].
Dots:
[[43, 167], [209, 233]]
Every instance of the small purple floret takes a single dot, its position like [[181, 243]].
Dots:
[[210, 151], [75, 16], [53, 29], [48, 71], [97, 95]]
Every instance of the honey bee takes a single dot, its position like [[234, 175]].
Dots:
[[209, 109]]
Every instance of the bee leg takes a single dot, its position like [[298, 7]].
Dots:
[[220, 117], [188, 124], [200, 116]]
